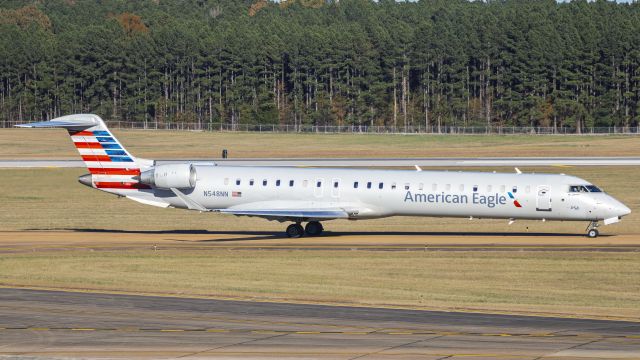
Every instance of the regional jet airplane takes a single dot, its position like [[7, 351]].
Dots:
[[307, 195]]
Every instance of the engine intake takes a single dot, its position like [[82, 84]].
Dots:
[[179, 176]]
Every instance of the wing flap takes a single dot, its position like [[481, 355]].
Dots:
[[290, 213]]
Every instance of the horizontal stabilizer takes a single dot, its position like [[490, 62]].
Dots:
[[80, 124]]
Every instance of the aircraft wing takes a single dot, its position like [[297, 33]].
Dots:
[[290, 214]]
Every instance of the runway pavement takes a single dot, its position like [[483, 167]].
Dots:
[[360, 162], [37, 324]]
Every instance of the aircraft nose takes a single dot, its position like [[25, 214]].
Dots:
[[623, 210], [616, 208]]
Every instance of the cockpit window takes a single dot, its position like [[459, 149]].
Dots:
[[578, 189], [583, 188]]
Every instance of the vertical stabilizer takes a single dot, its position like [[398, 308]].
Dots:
[[112, 167]]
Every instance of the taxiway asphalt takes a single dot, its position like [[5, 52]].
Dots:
[[362, 162], [37, 324]]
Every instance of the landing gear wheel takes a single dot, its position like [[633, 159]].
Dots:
[[314, 228], [295, 231], [593, 233]]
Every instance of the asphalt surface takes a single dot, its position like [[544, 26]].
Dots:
[[359, 162], [37, 324]]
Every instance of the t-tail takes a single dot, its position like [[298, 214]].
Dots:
[[112, 168]]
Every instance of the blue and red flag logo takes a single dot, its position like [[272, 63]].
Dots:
[[515, 202]]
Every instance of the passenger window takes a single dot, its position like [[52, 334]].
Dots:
[[251, 182], [420, 186], [237, 181], [475, 188], [406, 186], [290, 182], [355, 184], [393, 186], [335, 184], [515, 189], [319, 184], [277, 182], [369, 185], [380, 185], [226, 181], [264, 182]]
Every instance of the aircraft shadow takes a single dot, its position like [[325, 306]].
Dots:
[[245, 235]]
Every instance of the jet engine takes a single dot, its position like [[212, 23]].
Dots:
[[179, 176]]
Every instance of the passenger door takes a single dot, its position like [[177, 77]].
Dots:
[[543, 200]]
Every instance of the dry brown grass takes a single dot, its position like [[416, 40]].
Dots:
[[30, 143], [569, 283]]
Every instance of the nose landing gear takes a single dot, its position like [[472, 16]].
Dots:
[[313, 228], [592, 230]]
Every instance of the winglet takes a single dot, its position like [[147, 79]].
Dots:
[[518, 171], [418, 168]]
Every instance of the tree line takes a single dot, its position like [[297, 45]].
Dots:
[[430, 63]]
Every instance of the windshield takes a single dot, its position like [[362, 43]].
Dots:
[[584, 189]]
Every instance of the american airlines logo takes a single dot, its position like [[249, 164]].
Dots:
[[489, 201], [515, 202]]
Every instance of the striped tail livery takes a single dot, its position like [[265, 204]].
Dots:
[[112, 168]]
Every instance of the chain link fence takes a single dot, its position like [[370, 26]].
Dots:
[[364, 129]]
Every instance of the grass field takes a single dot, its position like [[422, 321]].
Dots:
[[30, 143], [568, 283]]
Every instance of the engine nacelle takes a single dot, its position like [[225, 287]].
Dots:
[[179, 176]]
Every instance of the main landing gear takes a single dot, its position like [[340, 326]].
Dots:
[[313, 228], [592, 230]]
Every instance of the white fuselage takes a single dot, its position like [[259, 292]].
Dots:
[[365, 193]]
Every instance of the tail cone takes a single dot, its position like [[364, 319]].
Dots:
[[86, 180]]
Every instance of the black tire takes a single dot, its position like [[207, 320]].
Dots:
[[593, 233], [295, 231], [313, 228]]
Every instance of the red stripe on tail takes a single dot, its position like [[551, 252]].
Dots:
[[80, 133], [109, 171], [88, 145], [103, 158]]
